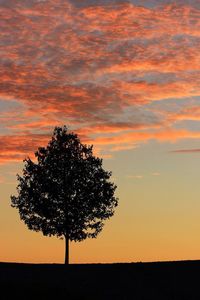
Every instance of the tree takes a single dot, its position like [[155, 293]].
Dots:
[[67, 193]]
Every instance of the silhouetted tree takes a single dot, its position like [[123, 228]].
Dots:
[[67, 193]]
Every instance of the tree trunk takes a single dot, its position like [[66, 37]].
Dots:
[[66, 250]]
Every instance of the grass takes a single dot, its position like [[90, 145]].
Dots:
[[137, 281]]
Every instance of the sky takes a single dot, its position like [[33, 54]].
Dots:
[[125, 76]]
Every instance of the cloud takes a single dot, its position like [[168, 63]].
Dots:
[[142, 3], [188, 113], [98, 66], [135, 176], [2, 179], [15, 148], [186, 151], [123, 147], [94, 3], [134, 137]]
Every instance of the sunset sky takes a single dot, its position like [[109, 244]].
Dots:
[[125, 76]]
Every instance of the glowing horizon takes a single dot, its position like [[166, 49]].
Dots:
[[123, 75]]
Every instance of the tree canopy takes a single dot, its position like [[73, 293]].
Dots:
[[66, 193]]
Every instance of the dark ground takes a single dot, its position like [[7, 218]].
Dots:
[[137, 281]]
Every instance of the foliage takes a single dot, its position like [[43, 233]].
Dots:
[[67, 192]]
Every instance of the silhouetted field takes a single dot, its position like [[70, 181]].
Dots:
[[137, 281]]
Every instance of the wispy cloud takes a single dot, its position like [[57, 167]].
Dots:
[[135, 176], [155, 174], [2, 180], [98, 66], [186, 151], [16, 148]]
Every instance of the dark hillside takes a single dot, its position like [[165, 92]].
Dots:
[[137, 281]]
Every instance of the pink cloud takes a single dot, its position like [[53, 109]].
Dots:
[[15, 148], [186, 151], [90, 66], [2, 179]]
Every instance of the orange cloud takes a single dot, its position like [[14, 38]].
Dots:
[[170, 135], [15, 148], [97, 66], [184, 87], [2, 180], [188, 113]]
